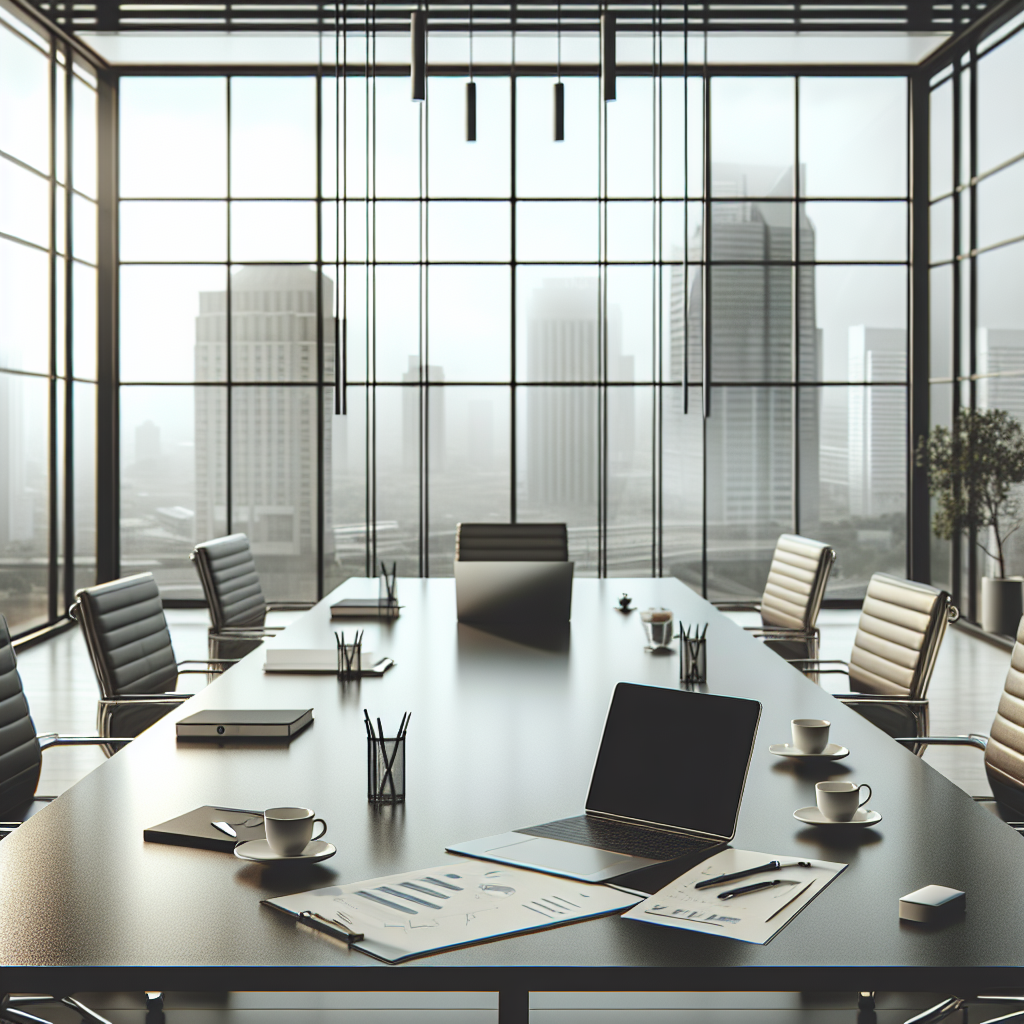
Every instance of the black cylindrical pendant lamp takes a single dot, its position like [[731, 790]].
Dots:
[[559, 112], [471, 111], [608, 56], [418, 61]]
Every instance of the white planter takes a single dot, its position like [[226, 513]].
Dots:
[[1002, 601]]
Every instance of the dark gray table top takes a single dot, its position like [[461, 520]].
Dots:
[[502, 736]]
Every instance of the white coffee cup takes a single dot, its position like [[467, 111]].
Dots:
[[810, 735], [289, 830], [839, 801]]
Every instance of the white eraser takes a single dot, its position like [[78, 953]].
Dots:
[[932, 904]]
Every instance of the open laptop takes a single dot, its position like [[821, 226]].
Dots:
[[511, 592], [667, 784]]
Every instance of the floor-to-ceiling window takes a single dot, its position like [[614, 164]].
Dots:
[[977, 261], [523, 325], [48, 226]]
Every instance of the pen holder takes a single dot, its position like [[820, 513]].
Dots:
[[693, 655], [385, 770], [387, 593], [350, 657]]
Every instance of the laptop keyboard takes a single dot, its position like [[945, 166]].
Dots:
[[634, 840]]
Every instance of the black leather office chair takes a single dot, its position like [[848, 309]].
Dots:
[[231, 585], [511, 542], [130, 647], [792, 596]]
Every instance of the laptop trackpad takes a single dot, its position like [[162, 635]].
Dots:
[[559, 856]]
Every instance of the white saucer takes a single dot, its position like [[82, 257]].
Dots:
[[259, 850], [833, 752], [862, 819]]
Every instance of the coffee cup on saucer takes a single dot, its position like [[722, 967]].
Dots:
[[289, 830], [810, 735], [840, 801]]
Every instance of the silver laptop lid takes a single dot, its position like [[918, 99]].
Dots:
[[674, 759], [505, 592]]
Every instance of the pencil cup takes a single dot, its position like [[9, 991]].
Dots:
[[693, 655], [385, 771]]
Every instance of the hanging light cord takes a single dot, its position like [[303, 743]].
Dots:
[[559, 38], [471, 42]]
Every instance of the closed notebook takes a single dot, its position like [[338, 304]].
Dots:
[[226, 725], [196, 829]]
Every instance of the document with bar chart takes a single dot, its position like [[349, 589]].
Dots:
[[456, 904]]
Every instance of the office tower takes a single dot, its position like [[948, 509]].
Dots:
[[877, 422], [413, 414], [147, 442], [1001, 351], [274, 473]]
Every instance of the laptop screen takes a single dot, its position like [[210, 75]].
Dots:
[[674, 757]]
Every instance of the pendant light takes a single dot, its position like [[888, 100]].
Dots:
[[418, 62], [608, 56], [559, 88], [471, 88]]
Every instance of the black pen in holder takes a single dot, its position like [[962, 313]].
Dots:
[[385, 770], [349, 656], [693, 654], [387, 595]]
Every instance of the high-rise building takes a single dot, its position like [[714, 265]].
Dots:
[[1001, 351], [274, 432], [434, 414]]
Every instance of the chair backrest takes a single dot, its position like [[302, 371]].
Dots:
[[126, 632], [901, 627], [1004, 755], [796, 582], [511, 542], [230, 581], [20, 756]]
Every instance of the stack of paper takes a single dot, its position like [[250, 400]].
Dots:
[[282, 659]]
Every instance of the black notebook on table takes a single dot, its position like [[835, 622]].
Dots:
[[196, 828]]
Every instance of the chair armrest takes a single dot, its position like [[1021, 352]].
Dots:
[[53, 740], [970, 740], [737, 606], [208, 661], [245, 632], [141, 698], [782, 632], [290, 606]]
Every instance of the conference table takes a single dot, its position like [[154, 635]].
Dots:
[[503, 734]]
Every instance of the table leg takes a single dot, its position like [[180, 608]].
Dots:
[[513, 1006]]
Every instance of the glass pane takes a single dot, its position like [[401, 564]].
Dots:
[[83, 233], [631, 138], [557, 324], [274, 483], [173, 137], [941, 321], [681, 230], [748, 486], [83, 322], [396, 326], [630, 545], [752, 123], [964, 239], [557, 454], [396, 232], [856, 231], [83, 142], [349, 179], [681, 326], [173, 465], [853, 484], [24, 500], [964, 268], [187, 341], [350, 305], [60, 223], [860, 310], [273, 137], [60, 315], [630, 303], [1000, 296], [84, 455], [397, 528], [682, 135], [940, 139], [274, 323], [940, 236], [480, 232], [682, 485], [1001, 206], [1001, 352], [470, 474], [396, 157], [557, 231], [24, 308], [1000, 113], [356, 225], [173, 232], [469, 323], [966, 165], [345, 551], [548, 168], [853, 136], [752, 232], [25, 112], [630, 231], [273, 231], [24, 204], [459, 168], [751, 323], [940, 408]]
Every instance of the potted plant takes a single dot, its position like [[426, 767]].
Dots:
[[972, 470]]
